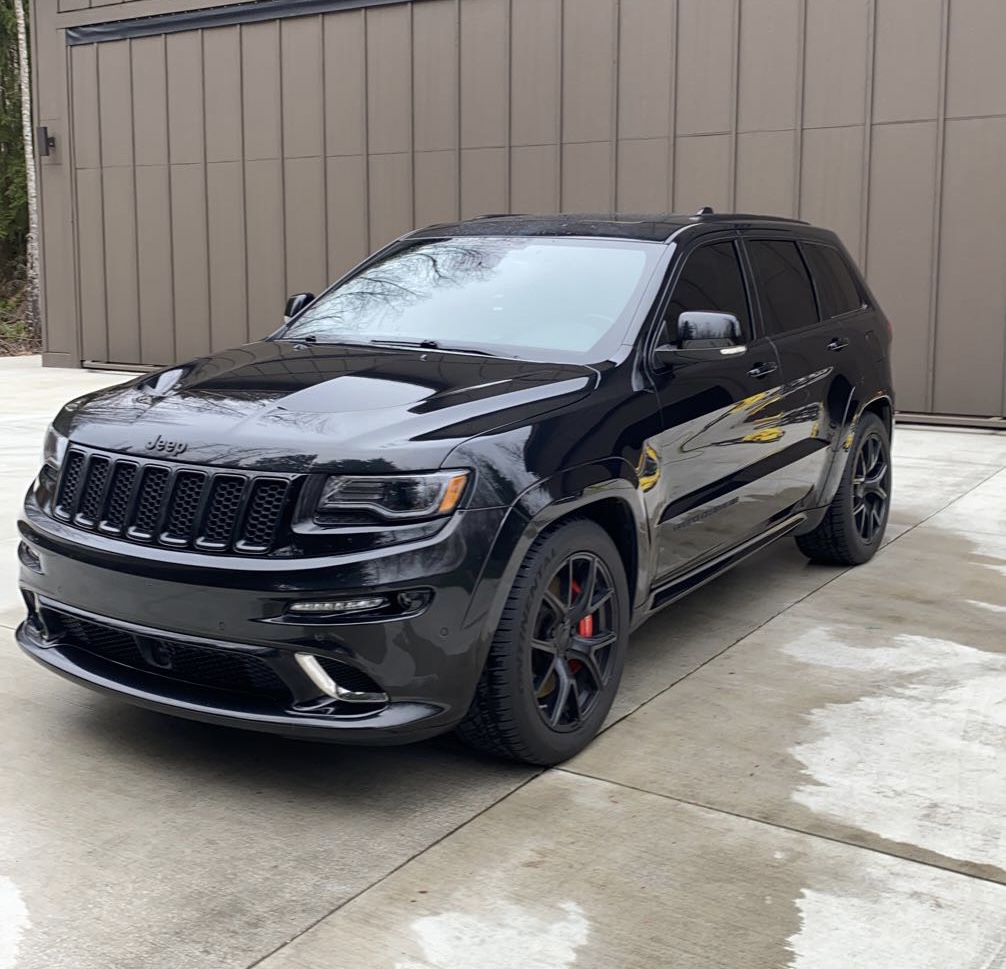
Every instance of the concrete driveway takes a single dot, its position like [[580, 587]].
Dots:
[[806, 768]]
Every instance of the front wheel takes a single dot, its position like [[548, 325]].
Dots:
[[557, 656], [853, 529]]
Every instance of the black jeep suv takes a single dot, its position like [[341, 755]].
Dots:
[[444, 492]]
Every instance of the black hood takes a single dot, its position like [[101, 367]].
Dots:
[[285, 407]]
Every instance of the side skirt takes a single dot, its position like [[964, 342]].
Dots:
[[681, 585]]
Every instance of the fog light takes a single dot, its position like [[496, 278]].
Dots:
[[414, 601], [329, 606]]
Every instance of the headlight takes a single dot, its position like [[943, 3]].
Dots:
[[395, 497], [53, 448]]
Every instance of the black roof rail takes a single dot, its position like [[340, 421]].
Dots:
[[710, 216]]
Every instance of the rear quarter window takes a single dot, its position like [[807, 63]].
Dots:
[[837, 290]]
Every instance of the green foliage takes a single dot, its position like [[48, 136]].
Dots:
[[13, 196]]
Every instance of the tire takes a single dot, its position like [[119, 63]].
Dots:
[[520, 710], [853, 528]]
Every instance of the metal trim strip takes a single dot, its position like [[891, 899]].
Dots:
[[239, 13]]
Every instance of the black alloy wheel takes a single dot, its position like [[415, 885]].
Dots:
[[853, 527], [557, 654], [871, 487], [573, 640]]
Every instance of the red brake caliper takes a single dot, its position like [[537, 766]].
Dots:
[[584, 628]]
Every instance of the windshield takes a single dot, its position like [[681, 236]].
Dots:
[[533, 298]]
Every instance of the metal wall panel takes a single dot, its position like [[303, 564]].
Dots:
[[702, 173], [303, 86], [643, 178], [150, 101], [976, 67], [484, 66], [190, 260], [121, 298], [769, 77], [57, 286], [153, 264], [765, 165], [534, 178], [345, 84], [261, 93], [901, 244], [837, 33], [186, 126], [348, 229], [225, 215], [535, 72], [265, 244], [907, 61], [970, 335], [831, 187], [435, 67], [222, 94], [588, 79], [645, 63], [707, 61], [483, 181], [203, 174]]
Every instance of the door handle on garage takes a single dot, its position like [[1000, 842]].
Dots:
[[763, 370], [839, 343]]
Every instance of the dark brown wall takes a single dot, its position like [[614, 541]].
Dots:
[[216, 170]]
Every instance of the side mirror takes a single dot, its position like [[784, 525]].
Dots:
[[697, 331], [295, 304], [715, 333]]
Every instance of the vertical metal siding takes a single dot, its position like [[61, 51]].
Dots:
[[216, 170]]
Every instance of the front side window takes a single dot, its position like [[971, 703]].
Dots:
[[532, 298], [710, 282], [784, 288], [837, 291]]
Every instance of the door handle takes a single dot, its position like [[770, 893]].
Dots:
[[839, 343], [763, 370]]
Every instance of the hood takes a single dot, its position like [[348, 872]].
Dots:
[[281, 406]]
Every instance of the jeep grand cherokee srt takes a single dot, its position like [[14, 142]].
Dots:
[[444, 492]]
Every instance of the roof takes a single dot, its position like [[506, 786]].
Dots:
[[652, 227]]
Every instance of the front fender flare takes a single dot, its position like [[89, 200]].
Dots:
[[537, 509]]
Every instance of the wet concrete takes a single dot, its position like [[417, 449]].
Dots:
[[804, 769]]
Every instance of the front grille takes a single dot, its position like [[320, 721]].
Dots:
[[176, 507], [198, 665]]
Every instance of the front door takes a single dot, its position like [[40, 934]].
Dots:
[[718, 448]]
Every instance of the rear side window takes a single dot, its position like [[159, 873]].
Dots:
[[784, 288], [710, 282], [836, 289]]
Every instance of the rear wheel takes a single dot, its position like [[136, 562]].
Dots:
[[853, 528], [557, 656]]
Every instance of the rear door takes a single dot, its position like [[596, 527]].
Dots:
[[715, 455], [787, 306]]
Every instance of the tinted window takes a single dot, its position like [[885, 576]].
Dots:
[[784, 288], [711, 282], [540, 299], [836, 289]]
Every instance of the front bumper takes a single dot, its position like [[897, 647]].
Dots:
[[157, 616]]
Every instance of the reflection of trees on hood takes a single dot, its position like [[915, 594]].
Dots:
[[382, 292]]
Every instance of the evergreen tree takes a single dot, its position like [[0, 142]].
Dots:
[[13, 196]]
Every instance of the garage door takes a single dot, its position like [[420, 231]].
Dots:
[[222, 160]]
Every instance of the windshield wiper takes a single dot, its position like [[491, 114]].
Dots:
[[430, 345]]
